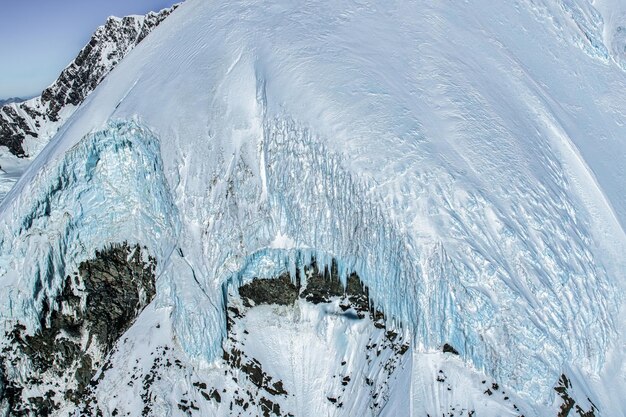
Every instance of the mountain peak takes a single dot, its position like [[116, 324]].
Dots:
[[26, 128]]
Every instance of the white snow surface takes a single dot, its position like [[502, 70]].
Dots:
[[466, 159], [310, 349]]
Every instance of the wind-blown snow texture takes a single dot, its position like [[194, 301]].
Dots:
[[467, 160]]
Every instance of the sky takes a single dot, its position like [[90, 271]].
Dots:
[[38, 38]]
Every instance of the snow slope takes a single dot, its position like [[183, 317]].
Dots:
[[466, 159]]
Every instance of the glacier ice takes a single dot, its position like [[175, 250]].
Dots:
[[111, 188], [108, 189]]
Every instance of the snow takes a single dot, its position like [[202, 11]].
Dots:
[[441, 384], [466, 159], [311, 348], [108, 189], [282, 241], [36, 113], [301, 346]]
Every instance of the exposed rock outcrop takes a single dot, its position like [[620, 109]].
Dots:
[[320, 287], [323, 290], [78, 329], [269, 291], [568, 406]]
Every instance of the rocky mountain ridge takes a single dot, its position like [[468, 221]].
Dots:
[[37, 119]]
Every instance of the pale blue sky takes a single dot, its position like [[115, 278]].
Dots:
[[38, 38]]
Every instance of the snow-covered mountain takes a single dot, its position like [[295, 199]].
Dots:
[[340, 209], [11, 100], [27, 126]]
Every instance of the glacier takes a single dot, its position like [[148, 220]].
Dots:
[[108, 189], [466, 160]]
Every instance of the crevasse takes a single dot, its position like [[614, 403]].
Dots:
[[312, 207], [110, 187], [450, 164], [107, 189]]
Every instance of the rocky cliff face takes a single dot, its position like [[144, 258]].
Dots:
[[41, 373], [38, 118]]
